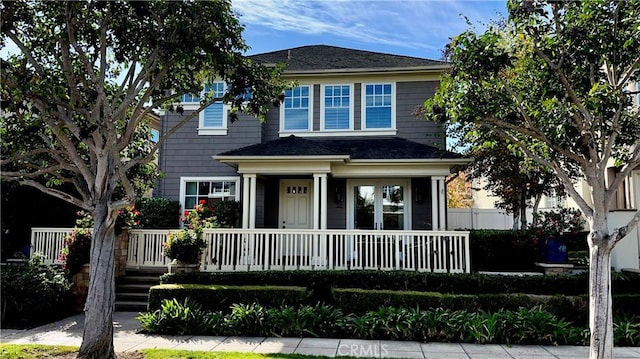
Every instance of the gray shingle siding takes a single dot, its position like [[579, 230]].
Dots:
[[187, 154], [410, 95]]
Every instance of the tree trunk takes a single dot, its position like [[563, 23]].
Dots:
[[523, 211], [600, 317], [97, 339]]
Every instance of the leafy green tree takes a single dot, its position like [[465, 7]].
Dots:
[[76, 96], [553, 82], [517, 182]]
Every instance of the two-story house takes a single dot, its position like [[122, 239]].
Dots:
[[343, 151]]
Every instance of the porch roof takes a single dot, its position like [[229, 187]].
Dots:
[[349, 158], [394, 148]]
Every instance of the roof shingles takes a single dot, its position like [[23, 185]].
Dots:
[[324, 57], [374, 148]]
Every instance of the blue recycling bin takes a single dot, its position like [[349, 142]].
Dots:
[[555, 250]]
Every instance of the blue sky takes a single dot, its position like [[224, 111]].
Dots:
[[419, 28]]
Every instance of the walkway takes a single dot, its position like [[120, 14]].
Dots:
[[69, 332]]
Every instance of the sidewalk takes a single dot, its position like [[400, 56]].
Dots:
[[69, 332]]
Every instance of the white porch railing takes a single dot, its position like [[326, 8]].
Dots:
[[289, 249], [49, 242]]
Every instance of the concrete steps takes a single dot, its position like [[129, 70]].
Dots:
[[132, 289]]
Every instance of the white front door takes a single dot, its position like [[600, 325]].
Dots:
[[296, 197]]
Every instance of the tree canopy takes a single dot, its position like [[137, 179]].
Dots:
[[553, 82], [77, 95]]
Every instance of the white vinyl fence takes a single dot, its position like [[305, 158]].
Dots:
[[475, 218]]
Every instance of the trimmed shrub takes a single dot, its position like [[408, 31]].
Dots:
[[320, 282], [503, 250], [33, 293], [158, 213], [220, 297]]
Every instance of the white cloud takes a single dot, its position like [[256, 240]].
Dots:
[[411, 24]]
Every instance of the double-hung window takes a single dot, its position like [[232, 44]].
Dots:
[[213, 119], [378, 110], [336, 112], [295, 114], [209, 189]]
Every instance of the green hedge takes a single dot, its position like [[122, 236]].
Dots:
[[322, 281], [503, 250], [358, 301], [219, 297]]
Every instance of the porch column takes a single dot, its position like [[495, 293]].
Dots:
[[245, 201], [316, 200], [438, 203], [252, 201], [323, 201]]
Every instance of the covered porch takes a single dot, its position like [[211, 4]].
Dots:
[[365, 184]]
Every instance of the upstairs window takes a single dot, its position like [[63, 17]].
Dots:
[[190, 98], [337, 110], [296, 111], [214, 115], [378, 111]]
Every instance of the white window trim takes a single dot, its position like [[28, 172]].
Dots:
[[208, 131], [363, 108], [322, 108], [284, 132], [184, 180]]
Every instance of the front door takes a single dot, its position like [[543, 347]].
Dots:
[[378, 204], [296, 197]]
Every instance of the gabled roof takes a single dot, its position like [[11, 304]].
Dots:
[[355, 149], [324, 57]]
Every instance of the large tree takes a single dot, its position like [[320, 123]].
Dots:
[[76, 93], [553, 82]]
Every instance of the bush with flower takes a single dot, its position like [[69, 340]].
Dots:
[[77, 244], [76, 250], [201, 216], [187, 244]]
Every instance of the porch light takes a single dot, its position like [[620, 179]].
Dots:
[[339, 197], [419, 194]]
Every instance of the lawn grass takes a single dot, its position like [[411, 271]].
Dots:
[[187, 354], [32, 351], [27, 351]]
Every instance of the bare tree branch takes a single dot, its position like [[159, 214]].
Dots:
[[57, 193]]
